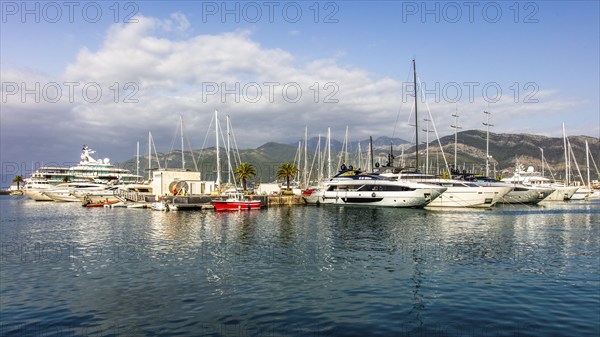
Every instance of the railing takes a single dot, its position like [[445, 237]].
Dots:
[[131, 195]]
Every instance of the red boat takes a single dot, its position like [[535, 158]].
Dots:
[[236, 203]]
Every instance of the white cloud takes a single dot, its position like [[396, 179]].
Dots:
[[164, 75]]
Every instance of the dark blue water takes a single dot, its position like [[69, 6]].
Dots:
[[302, 271]]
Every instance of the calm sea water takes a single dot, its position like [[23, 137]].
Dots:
[[301, 271]]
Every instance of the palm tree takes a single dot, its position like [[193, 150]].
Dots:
[[66, 179], [286, 171], [18, 180], [245, 171]]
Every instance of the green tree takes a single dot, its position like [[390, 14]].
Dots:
[[244, 172], [286, 171], [18, 180], [66, 179]]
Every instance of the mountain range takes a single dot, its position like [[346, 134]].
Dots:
[[506, 150]]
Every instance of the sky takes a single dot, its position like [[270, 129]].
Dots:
[[105, 74]]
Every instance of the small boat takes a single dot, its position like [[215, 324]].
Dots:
[[236, 202], [105, 203], [160, 205]]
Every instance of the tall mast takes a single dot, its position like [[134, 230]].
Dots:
[[426, 146], [218, 180], [371, 153], [328, 152], [297, 159], [346, 146], [456, 127], [137, 159], [319, 159], [229, 170], [487, 143], [541, 149], [416, 117], [182, 154], [149, 155], [587, 163], [305, 175], [402, 163], [566, 155], [360, 163]]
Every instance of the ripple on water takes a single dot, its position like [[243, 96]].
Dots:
[[300, 271]]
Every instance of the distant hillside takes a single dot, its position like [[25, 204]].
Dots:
[[505, 149], [336, 145], [508, 149]]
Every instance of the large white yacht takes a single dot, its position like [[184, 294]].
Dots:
[[520, 194], [458, 193], [530, 177], [352, 187], [73, 192], [88, 170]]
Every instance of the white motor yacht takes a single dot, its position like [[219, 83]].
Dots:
[[520, 194], [458, 193], [88, 169], [353, 187], [68, 192], [530, 177]]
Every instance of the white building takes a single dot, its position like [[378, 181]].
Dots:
[[173, 181]]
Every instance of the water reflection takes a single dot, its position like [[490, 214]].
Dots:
[[304, 270]]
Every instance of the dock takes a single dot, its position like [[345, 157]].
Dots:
[[198, 202]]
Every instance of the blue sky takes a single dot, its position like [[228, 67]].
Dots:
[[543, 56]]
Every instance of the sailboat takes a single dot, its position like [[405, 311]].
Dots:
[[235, 201]]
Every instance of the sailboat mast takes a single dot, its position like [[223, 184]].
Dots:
[[328, 152], [137, 159], [426, 146], [456, 127], [360, 163], [182, 154], [218, 180], [229, 170], [487, 143], [319, 158], [149, 154], [416, 117], [587, 163], [346, 146], [566, 155], [541, 149], [371, 153], [305, 175]]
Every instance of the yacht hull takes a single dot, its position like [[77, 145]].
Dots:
[[526, 196], [413, 199], [37, 195], [582, 193], [562, 193], [60, 196], [478, 197]]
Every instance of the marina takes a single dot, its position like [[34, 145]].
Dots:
[[300, 169]]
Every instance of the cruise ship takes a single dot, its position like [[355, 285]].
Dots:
[[88, 170]]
